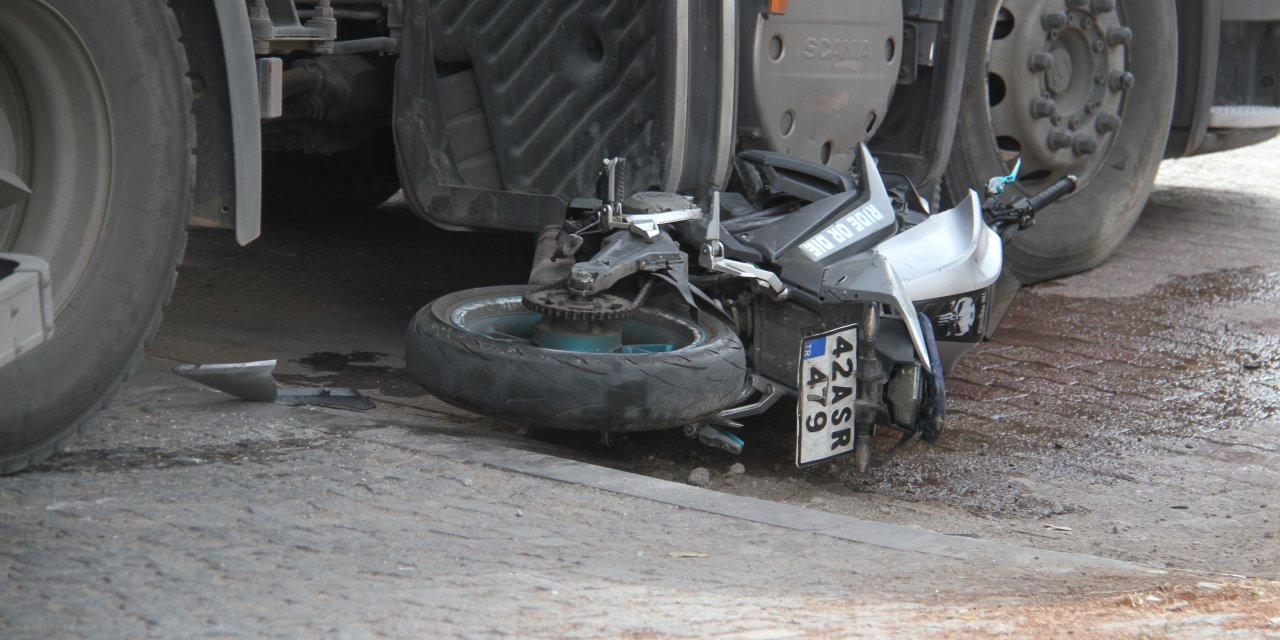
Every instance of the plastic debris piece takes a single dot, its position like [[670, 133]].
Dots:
[[248, 380]]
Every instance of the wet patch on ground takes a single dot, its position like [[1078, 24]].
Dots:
[[339, 362], [357, 370], [1071, 388]]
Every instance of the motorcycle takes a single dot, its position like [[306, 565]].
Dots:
[[651, 311]]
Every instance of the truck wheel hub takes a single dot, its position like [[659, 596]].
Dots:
[[1057, 84]]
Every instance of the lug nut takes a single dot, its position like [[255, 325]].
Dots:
[[1117, 36], [1098, 46], [1102, 6], [1043, 108], [1039, 62], [1120, 81], [1054, 20], [1084, 145], [1107, 122], [1059, 139]]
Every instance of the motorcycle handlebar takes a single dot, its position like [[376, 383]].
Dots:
[[1052, 194], [1008, 219]]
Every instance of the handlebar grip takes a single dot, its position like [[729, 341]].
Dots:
[[1052, 194]]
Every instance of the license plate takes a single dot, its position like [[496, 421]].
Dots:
[[827, 390]]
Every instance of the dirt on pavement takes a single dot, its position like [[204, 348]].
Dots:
[[1129, 412]]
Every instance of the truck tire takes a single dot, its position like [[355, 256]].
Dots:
[[471, 349], [1083, 88], [95, 117]]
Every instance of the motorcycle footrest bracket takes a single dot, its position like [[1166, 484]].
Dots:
[[769, 392]]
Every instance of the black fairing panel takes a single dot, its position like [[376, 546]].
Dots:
[[805, 242], [563, 85], [791, 231]]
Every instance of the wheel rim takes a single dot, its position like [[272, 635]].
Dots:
[[1056, 85], [505, 319], [55, 138]]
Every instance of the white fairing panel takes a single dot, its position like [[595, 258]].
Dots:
[[951, 252]]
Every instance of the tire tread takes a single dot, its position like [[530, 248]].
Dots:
[[577, 391], [12, 462]]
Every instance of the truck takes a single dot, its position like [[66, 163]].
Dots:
[[123, 123]]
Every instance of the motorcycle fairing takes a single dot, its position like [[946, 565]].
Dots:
[[949, 254]]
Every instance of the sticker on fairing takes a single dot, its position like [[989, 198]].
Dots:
[[843, 232], [959, 318], [826, 395]]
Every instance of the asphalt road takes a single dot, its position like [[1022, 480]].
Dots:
[[1110, 468]]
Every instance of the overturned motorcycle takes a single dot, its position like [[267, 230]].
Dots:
[[841, 289]]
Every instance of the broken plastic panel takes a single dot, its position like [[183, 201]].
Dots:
[[253, 381]]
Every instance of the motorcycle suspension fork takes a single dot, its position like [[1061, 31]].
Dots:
[[871, 380]]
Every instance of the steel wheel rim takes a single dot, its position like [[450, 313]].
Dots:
[[55, 135], [1057, 81], [505, 319]]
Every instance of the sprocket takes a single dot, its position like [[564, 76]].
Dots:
[[556, 301]]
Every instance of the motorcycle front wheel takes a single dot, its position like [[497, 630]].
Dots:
[[475, 349]]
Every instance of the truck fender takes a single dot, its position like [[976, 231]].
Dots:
[[226, 106]]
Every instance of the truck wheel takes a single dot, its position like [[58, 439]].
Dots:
[[1081, 87], [350, 181], [474, 349], [95, 119]]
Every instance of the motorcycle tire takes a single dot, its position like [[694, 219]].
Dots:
[[471, 349], [1005, 108], [96, 104]]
